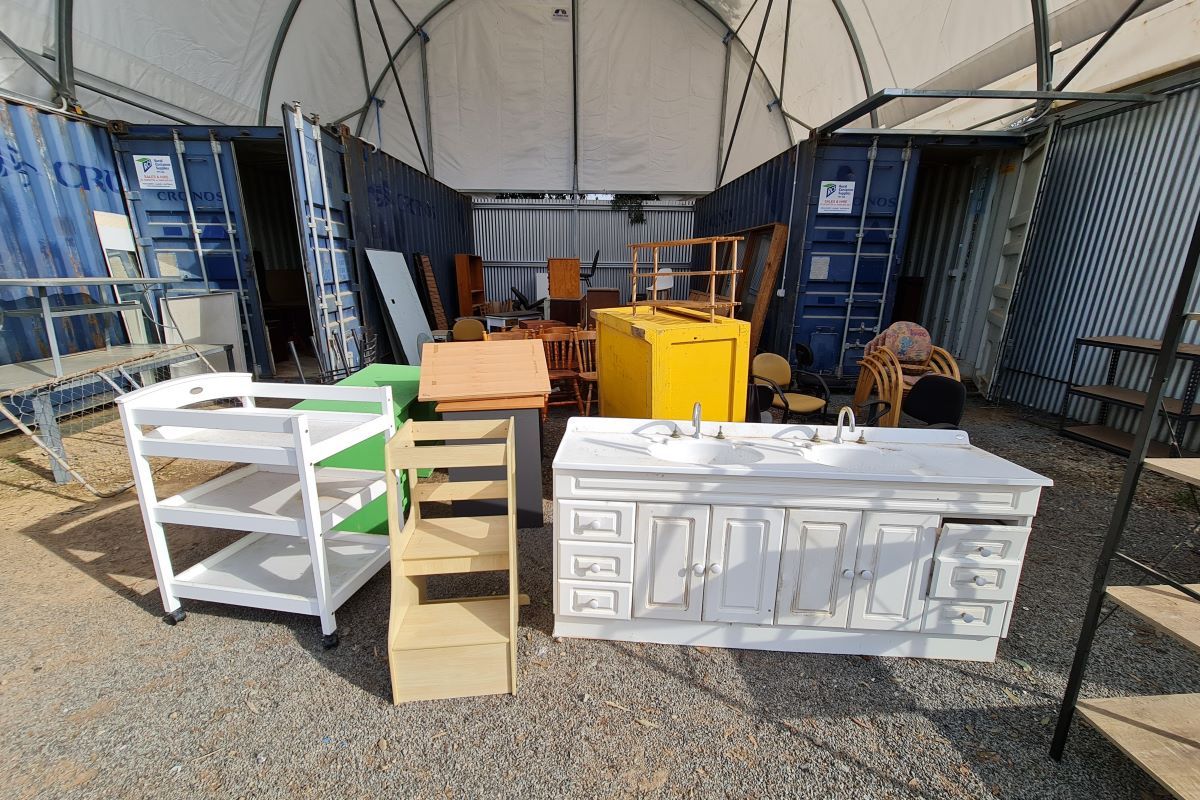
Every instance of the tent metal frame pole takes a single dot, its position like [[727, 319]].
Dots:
[[1103, 40], [859, 56], [575, 121], [64, 55], [721, 112], [273, 60], [425, 97], [399, 86], [1043, 58], [1163, 364], [885, 96], [362, 60], [30, 61], [737, 120]]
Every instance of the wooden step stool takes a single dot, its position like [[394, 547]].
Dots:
[[465, 646]]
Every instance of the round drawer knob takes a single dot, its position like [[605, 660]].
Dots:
[[980, 580], [965, 617], [985, 552], [847, 573], [715, 569], [697, 569], [594, 569], [593, 603], [866, 574]]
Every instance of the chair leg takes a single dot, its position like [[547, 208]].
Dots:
[[578, 396], [587, 412]]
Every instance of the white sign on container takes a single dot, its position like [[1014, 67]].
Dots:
[[154, 172], [836, 197]]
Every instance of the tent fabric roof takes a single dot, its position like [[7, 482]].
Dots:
[[547, 95]]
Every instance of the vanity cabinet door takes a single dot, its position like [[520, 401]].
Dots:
[[892, 571], [743, 564], [817, 571], [670, 543]]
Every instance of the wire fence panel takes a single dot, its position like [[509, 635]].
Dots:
[[73, 426]]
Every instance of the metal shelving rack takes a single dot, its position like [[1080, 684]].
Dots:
[[291, 559], [1160, 733], [1180, 411]]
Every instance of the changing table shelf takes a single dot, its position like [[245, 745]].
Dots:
[[330, 432], [255, 499], [266, 571]]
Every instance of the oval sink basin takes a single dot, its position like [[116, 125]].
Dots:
[[703, 451], [859, 458]]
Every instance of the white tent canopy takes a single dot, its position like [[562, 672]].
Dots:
[[594, 95]]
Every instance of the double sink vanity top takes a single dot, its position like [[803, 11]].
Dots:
[[908, 455]]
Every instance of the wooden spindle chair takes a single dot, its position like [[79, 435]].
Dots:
[[585, 364]]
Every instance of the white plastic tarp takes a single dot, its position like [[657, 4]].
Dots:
[[518, 88]]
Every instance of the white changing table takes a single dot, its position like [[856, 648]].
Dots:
[[291, 558]]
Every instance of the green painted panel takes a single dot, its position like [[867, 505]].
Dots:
[[369, 454]]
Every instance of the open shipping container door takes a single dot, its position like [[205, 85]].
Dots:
[[326, 241], [181, 187], [1018, 227]]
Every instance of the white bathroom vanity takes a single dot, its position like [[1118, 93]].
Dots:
[[904, 542]]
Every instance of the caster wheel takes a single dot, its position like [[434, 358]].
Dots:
[[329, 641], [174, 617]]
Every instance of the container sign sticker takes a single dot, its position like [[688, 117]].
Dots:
[[819, 268], [154, 172], [837, 197]]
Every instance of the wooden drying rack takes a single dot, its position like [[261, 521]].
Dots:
[[713, 302]]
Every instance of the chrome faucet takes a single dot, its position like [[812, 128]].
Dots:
[[843, 412], [696, 421]]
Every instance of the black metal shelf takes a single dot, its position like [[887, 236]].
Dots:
[[1097, 432]]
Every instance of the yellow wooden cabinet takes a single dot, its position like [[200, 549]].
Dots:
[[656, 364]]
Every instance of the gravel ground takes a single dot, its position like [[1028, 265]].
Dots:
[[98, 698]]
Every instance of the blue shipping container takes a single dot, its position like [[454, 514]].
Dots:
[[55, 172], [848, 222]]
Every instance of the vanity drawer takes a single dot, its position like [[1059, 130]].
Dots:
[[595, 599], [975, 578], [595, 561], [964, 617], [595, 521], [982, 542]]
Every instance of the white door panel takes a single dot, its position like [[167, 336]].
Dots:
[[892, 571], [670, 544], [743, 564], [818, 551]]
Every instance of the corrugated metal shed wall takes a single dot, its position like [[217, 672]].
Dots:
[[515, 237], [1121, 196], [54, 172], [396, 207]]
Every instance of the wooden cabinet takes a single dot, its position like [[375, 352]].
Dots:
[[670, 546], [563, 278], [743, 563], [468, 271], [817, 570], [891, 571]]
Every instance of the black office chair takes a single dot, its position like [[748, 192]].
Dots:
[[587, 276], [937, 401], [522, 302]]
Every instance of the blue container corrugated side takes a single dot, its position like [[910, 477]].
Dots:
[[55, 172], [396, 207]]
